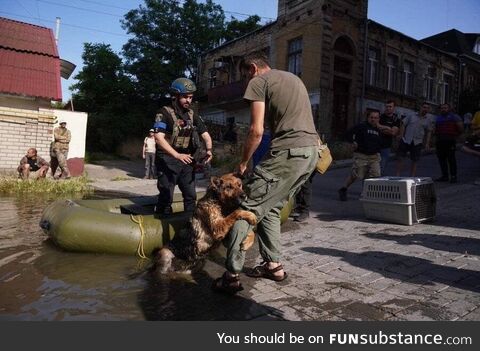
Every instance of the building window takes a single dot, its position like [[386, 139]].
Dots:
[[470, 81], [213, 77], [372, 66], [392, 68], [408, 77], [429, 88], [447, 88], [295, 56]]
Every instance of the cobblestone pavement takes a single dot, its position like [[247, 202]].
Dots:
[[342, 266]]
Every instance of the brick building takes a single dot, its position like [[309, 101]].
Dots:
[[348, 63], [30, 71]]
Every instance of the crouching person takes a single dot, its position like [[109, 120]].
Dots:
[[32, 166], [367, 144]]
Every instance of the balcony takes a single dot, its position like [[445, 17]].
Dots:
[[226, 93]]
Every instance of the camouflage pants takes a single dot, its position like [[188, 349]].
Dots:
[[62, 156], [274, 181]]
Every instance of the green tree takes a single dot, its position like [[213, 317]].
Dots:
[[167, 40], [235, 28], [105, 92]]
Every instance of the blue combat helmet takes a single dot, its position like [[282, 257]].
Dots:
[[182, 86]]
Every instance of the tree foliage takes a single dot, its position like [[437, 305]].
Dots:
[[122, 94], [235, 28], [104, 91], [168, 39]]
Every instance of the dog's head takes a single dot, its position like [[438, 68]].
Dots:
[[228, 189]]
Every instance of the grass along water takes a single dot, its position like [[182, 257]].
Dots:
[[13, 185]]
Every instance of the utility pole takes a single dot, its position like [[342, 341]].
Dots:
[[57, 29]]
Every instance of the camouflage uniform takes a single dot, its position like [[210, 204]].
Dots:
[[60, 148], [35, 165]]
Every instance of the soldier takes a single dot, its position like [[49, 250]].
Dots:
[[177, 135], [281, 100], [60, 148], [32, 166]]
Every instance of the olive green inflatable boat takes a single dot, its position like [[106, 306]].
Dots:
[[116, 226]]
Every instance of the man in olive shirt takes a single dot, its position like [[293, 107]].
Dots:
[[281, 100]]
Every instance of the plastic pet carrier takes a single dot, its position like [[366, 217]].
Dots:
[[403, 200]]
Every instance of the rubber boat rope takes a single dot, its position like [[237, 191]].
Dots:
[[140, 249]]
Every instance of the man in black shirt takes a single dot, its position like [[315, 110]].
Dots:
[[177, 135], [389, 126], [32, 166], [367, 144]]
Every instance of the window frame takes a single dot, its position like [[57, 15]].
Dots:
[[294, 56]]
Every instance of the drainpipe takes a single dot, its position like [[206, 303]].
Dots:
[[460, 80], [364, 78]]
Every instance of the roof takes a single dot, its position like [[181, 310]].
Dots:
[[454, 41], [29, 61]]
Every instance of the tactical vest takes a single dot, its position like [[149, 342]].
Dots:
[[183, 136]]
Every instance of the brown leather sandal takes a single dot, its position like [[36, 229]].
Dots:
[[262, 271], [227, 285]]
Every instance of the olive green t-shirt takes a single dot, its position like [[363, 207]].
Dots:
[[287, 108]]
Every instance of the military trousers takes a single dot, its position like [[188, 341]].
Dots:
[[62, 156], [274, 181], [171, 172]]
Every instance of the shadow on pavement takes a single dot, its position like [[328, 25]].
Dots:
[[183, 297], [458, 244], [404, 268]]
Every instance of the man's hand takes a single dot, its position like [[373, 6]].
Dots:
[[242, 167], [185, 158], [208, 156], [143, 156]]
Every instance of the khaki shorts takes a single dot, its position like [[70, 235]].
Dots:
[[366, 166], [35, 175]]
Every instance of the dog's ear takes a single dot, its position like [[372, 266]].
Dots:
[[215, 182]]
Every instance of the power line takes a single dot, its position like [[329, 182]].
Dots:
[[68, 25], [103, 4], [80, 8], [126, 9]]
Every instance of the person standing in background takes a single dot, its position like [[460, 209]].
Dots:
[[415, 132], [448, 126], [388, 126], [60, 148], [148, 153]]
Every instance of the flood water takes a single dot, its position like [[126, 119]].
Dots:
[[40, 282]]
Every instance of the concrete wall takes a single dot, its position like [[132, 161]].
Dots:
[[77, 124], [24, 125]]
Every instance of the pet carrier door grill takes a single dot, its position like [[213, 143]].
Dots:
[[399, 199]]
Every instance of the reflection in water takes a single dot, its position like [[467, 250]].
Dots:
[[39, 281]]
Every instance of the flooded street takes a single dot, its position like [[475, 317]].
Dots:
[[40, 282]]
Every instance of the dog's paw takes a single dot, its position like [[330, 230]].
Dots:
[[248, 242], [249, 217]]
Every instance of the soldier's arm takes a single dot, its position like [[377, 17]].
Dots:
[[68, 137], [208, 146], [254, 137]]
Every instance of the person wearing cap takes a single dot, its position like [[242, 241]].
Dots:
[[178, 133], [148, 153], [62, 138]]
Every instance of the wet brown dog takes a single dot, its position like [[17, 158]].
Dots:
[[214, 216]]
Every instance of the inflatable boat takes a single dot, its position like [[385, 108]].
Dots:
[[115, 226]]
